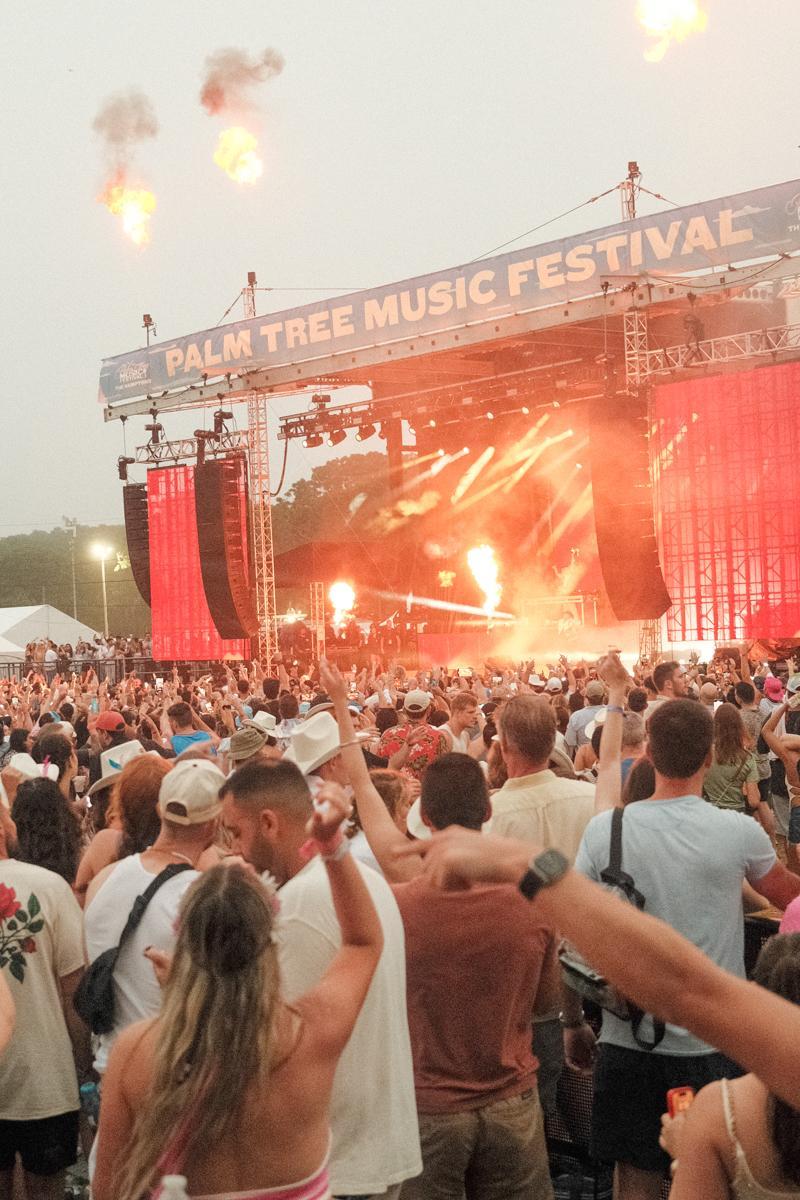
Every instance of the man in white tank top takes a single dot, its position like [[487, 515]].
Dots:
[[464, 715]]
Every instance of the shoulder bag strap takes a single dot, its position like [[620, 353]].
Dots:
[[614, 875], [141, 902]]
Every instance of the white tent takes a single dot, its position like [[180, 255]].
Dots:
[[9, 652], [18, 626]]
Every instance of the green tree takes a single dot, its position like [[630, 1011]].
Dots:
[[337, 498]]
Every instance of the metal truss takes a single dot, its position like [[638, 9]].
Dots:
[[156, 453], [261, 507], [776, 342], [650, 643], [316, 618], [635, 336]]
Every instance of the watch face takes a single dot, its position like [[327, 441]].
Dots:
[[551, 865]]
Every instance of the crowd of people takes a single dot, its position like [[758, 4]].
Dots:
[[309, 932]]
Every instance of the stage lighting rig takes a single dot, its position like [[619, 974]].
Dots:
[[220, 420], [122, 467], [336, 437], [364, 432]]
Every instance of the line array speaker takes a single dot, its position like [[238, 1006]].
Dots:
[[221, 506], [622, 492], [137, 533]]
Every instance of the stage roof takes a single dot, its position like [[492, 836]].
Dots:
[[555, 308]]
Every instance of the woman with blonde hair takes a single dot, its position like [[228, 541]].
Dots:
[[230, 1086]]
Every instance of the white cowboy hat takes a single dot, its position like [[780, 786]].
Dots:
[[315, 742], [24, 764], [262, 720], [113, 760]]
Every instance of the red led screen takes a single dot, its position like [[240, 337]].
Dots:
[[727, 466], [182, 624]]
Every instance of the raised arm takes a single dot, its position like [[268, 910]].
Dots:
[[608, 792], [660, 970], [384, 838]]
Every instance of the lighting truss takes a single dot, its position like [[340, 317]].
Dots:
[[158, 453], [511, 392]]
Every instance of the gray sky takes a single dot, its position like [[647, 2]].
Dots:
[[400, 138]]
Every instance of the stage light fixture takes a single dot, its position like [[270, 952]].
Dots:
[[490, 416], [336, 437], [525, 410], [320, 400], [365, 431], [220, 417], [122, 467], [313, 439]]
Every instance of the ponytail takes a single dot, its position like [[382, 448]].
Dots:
[[778, 970]]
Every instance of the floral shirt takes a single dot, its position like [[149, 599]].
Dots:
[[41, 942], [431, 745]]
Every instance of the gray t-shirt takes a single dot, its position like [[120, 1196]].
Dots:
[[688, 859]]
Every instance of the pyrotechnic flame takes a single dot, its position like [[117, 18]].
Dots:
[[670, 21], [483, 565], [134, 205], [343, 598], [237, 155]]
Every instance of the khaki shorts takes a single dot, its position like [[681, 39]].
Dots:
[[492, 1153]]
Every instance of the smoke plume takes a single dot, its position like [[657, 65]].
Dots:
[[231, 76], [125, 120]]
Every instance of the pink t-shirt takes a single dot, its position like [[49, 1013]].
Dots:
[[791, 918]]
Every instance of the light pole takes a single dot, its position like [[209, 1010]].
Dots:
[[71, 525], [101, 551]]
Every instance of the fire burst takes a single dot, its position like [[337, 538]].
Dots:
[[483, 565], [343, 598], [134, 205], [670, 21], [237, 155]]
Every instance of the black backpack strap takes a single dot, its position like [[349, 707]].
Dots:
[[141, 902]]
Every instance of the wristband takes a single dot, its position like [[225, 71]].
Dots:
[[615, 708], [340, 850]]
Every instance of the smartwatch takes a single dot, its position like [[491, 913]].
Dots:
[[543, 870]]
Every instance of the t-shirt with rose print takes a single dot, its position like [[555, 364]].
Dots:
[[430, 745], [41, 942]]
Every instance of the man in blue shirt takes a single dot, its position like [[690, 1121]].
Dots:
[[689, 860], [186, 730]]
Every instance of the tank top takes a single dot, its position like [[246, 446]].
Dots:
[[744, 1186], [460, 740], [136, 992]]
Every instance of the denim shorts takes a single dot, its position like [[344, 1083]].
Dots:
[[794, 825]]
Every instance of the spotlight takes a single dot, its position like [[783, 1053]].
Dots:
[[366, 431], [220, 417], [578, 466], [525, 411], [490, 416], [336, 437], [431, 424], [122, 467], [440, 453], [313, 439]]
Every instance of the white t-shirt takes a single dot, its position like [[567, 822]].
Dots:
[[37, 1069], [459, 741], [136, 991], [373, 1109]]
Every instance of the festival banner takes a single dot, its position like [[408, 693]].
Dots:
[[736, 229]]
